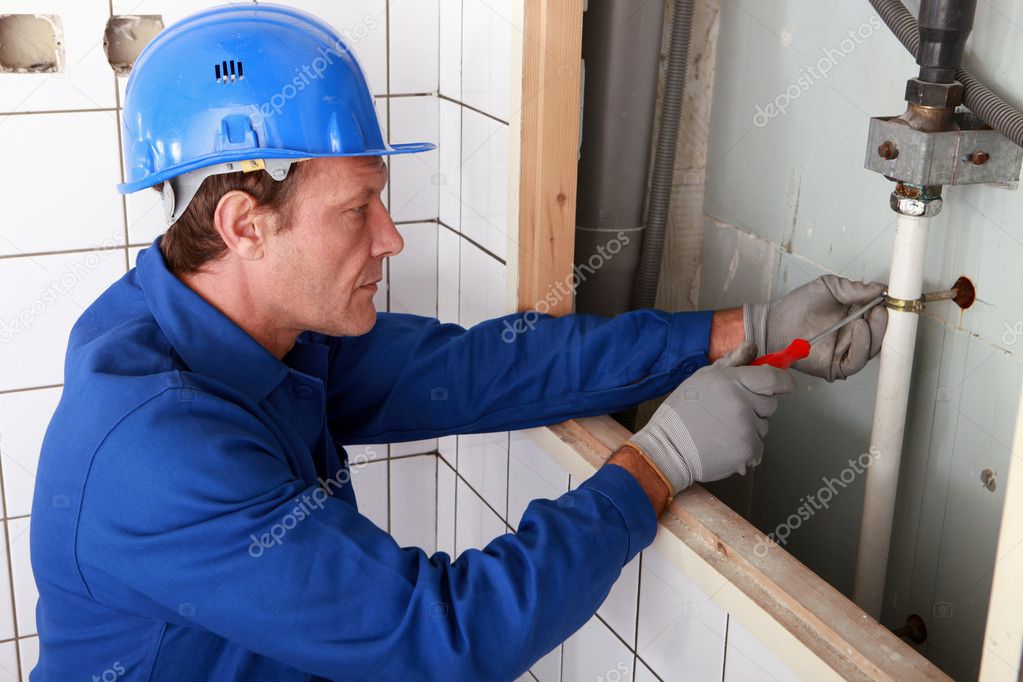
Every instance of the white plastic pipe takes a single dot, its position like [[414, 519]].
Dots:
[[905, 282]]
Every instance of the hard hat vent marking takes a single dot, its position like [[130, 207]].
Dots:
[[228, 71]]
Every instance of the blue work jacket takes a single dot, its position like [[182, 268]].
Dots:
[[180, 444]]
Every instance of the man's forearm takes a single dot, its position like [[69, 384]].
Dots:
[[726, 333], [630, 459]]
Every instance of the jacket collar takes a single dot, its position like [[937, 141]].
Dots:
[[206, 339]]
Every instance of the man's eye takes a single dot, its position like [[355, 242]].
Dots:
[[360, 210]]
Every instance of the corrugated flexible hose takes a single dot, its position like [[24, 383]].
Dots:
[[977, 97], [644, 292]]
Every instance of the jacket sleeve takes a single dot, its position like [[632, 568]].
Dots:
[[188, 502], [412, 377]]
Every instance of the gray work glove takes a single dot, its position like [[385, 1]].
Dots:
[[713, 424], [811, 309]]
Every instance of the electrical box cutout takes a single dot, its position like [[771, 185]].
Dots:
[[126, 36], [31, 43]]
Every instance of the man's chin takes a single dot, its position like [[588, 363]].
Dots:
[[353, 325]]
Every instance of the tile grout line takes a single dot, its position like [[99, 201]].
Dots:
[[724, 652], [458, 252], [7, 391], [436, 503], [10, 583], [65, 252], [649, 667], [474, 243], [5, 114], [120, 160], [615, 633], [639, 593], [387, 296], [10, 572], [441, 95], [507, 477], [482, 499]]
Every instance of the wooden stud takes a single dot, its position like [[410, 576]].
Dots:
[[552, 55]]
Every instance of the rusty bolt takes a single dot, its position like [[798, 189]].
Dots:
[[979, 158], [888, 151]]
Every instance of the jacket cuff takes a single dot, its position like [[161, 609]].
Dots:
[[688, 341], [632, 502]]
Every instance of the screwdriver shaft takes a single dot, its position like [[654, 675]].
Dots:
[[846, 320]]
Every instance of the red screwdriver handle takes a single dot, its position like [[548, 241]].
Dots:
[[783, 359]]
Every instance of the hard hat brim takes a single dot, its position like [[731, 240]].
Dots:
[[243, 155]]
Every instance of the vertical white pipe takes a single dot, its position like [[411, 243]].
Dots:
[[905, 282]]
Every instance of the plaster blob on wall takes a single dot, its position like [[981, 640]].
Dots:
[[31, 43]]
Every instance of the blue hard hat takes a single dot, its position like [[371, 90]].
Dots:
[[244, 82]]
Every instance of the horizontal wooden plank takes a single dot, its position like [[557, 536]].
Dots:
[[807, 622]]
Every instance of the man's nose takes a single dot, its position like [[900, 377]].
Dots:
[[387, 240]]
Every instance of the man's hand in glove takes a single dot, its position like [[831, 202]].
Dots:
[[712, 425], [811, 309]]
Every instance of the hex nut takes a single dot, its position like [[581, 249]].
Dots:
[[946, 95], [920, 208]]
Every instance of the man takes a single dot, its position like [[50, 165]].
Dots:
[[209, 392]]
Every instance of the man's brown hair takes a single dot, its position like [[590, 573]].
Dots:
[[193, 241]]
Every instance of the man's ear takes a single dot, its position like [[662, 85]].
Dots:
[[241, 225]]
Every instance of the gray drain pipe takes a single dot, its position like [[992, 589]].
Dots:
[[621, 54]]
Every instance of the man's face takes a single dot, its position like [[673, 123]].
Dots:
[[326, 265]]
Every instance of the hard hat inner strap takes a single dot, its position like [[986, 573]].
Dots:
[[179, 191]]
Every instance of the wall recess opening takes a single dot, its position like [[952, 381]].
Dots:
[[31, 43], [125, 36]]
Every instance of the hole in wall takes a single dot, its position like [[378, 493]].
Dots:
[[966, 294], [125, 36], [31, 43]]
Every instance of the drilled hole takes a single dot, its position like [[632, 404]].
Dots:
[[125, 37], [31, 43]]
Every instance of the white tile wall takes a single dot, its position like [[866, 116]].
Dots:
[[414, 177], [9, 662], [594, 653], [487, 32], [28, 648], [483, 294], [23, 419], [484, 173], [7, 630], [747, 660], [25, 594], [681, 630], [532, 474], [446, 484], [548, 668], [451, 48], [483, 463], [414, 501], [448, 246], [619, 609], [46, 193], [449, 162], [476, 524], [415, 46], [86, 81], [370, 483], [43, 296], [413, 285]]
